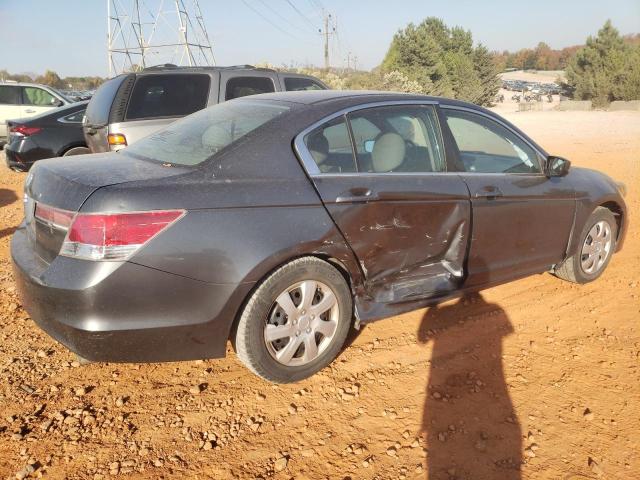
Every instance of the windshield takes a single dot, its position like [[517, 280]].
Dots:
[[198, 137], [63, 96]]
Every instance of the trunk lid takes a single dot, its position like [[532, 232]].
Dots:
[[66, 184]]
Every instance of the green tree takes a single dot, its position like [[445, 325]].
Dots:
[[604, 69], [443, 61]]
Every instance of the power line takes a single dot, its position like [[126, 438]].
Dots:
[[304, 17], [286, 20], [274, 25]]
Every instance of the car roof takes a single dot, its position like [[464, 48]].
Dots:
[[351, 97]]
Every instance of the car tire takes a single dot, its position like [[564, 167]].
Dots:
[[76, 151], [573, 268], [291, 358]]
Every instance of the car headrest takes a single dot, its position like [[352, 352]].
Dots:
[[388, 152], [318, 146]]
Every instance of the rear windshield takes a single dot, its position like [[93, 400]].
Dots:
[[100, 104], [197, 138], [157, 96]]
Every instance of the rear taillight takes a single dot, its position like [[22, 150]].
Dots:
[[55, 217], [114, 236], [23, 130]]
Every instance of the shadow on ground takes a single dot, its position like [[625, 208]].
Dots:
[[469, 422]]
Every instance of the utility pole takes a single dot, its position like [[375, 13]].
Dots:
[[329, 29], [348, 61]]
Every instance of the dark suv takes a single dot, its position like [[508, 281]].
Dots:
[[134, 105]]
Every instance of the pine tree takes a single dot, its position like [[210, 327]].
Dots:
[[598, 70]]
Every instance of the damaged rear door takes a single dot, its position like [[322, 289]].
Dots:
[[381, 172]]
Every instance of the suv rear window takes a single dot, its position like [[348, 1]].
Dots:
[[100, 104], [244, 86], [199, 137], [294, 84], [156, 96]]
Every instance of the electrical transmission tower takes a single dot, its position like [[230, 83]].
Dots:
[[143, 33]]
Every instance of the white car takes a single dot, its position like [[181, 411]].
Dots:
[[23, 100]]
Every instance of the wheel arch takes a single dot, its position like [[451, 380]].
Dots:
[[341, 266]]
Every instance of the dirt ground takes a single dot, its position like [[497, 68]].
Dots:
[[537, 379]]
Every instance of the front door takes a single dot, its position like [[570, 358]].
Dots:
[[381, 173], [36, 100], [521, 218]]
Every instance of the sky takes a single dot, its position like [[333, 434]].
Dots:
[[70, 36]]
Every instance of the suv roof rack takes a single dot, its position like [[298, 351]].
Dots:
[[171, 66]]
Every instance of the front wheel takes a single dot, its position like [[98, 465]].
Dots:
[[296, 321], [597, 244]]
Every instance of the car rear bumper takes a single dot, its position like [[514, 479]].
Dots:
[[18, 159], [124, 312]]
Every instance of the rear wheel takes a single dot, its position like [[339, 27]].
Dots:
[[76, 151], [296, 321], [597, 243]]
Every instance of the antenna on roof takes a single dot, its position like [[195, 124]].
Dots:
[[142, 33]]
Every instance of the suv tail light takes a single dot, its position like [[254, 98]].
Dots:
[[117, 140], [114, 236], [23, 130]]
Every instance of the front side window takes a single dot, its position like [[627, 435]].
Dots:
[[295, 84], [244, 86], [200, 136], [398, 138], [38, 97], [330, 147], [487, 147], [158, 96], [9, 95]]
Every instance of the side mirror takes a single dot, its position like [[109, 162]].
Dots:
[[57, 103], [557, 166], [368, 145]]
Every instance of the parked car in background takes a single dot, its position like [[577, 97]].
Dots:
[[56, 133], [23, 100], [280, 220], [131, 106]]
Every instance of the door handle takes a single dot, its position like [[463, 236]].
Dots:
[[355, 195], [489, 192], [29, 111]]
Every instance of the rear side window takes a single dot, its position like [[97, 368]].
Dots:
[[9, 95], [157, 96], [73, 117], [199, 137], [398, 139], [100, 104], [295, 84], [245, 86], [330, 147]]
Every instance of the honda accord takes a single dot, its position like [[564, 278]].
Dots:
[[281, 221]]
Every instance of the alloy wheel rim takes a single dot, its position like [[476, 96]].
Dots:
[[302, 323], [596, 247]]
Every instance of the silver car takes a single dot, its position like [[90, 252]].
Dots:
[[134, 105]]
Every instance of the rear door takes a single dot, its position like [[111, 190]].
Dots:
[[111, 96], [521, 218], [236, 85], [382, 174], [10, 106]]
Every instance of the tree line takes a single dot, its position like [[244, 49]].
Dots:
[[434, 59], [52, 79]]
